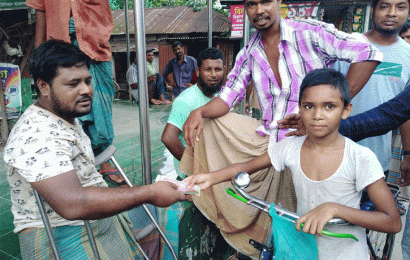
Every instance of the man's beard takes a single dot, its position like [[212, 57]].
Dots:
[[387, 32], [58, 106], [208, 90]]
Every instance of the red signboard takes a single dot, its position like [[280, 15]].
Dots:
[[237, 15]]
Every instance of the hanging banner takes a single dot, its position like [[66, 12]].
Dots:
[[237, 13], [10, 77], [12, 4], [300, 11]]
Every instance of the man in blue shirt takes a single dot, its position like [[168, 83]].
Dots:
[[182, 67]]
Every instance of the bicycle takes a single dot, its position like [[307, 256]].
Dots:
[[380, 244], [240, 182]]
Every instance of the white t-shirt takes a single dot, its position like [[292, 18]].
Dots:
[[388, 80], [41, 146], [358, 169]]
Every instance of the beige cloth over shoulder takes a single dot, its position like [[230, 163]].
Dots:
[[224, 141]]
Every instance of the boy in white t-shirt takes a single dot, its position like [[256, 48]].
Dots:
[[329, 171]]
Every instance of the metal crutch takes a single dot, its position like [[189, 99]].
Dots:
[[108, 154], [48, 228], [50, 234]]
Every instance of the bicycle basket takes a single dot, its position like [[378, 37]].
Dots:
[[288, 243]]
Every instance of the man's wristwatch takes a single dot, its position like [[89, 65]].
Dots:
[[406, 152]]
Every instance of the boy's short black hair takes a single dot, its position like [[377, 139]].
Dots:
[[210, 53], [326, 77], [176, 43], [148, 51], [404, 29], [53, 54]]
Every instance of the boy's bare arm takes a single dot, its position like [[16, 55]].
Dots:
[[206, 180], [385, 218]]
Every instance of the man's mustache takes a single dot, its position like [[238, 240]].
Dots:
[[85, 98]]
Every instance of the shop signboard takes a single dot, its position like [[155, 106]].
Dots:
[[12, 4], [10, 77], [300, 10], [237, 15]]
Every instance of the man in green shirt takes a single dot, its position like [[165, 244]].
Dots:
[[210, 72]]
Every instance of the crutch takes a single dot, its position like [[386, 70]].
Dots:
[[49, 230], [108, 154]]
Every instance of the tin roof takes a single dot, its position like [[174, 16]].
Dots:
[[172, 20]]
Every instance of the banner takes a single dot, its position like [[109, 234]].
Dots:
[[12, 4], [237, 13], [300, 11], [10, 77]]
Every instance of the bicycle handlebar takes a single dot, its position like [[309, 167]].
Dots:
[[242, 180]]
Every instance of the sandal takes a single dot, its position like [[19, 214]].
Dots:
[[105, 175]]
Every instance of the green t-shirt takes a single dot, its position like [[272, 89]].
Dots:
[[151, 69], [189, 100]]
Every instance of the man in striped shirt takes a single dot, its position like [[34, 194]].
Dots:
[[277, 58]]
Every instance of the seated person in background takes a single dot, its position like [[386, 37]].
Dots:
[[41, 154], [329, 171], [210, 73], [156, 84]]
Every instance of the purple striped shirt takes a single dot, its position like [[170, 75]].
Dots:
[[305, 45]]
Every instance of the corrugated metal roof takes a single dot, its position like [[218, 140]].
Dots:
[[172, 20]]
